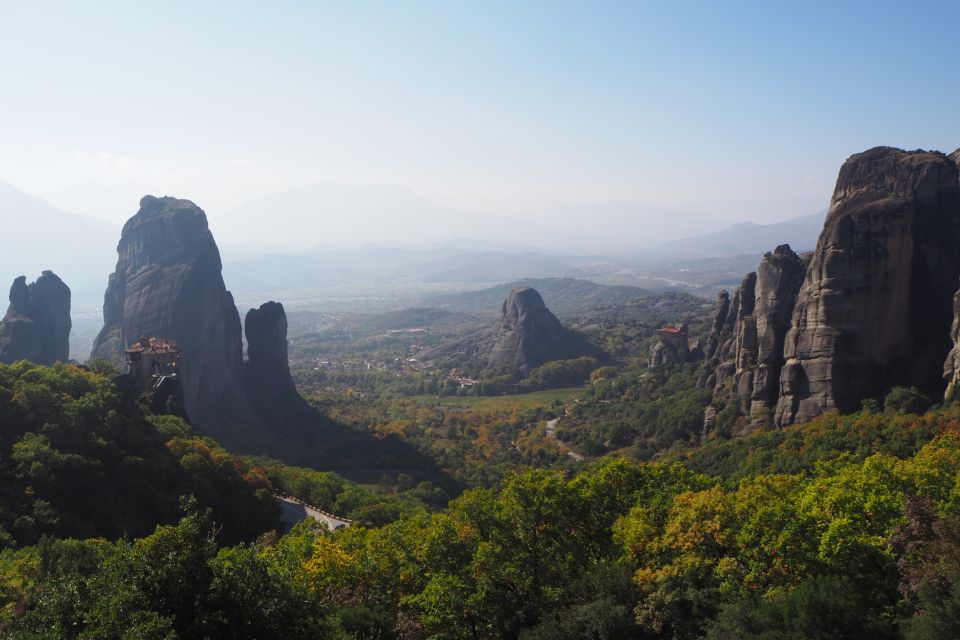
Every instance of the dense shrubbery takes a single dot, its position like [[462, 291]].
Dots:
[[641, 413], [332, 493], [560, 373], [623, 550], [79, 460], [843, 527], [76, 459], [798, 449]]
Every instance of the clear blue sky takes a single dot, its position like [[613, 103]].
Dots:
[[482, 102]]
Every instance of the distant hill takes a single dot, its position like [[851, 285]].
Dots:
[[366, 324], [275, 272], [750, 238], [567, 297], [38, 236]]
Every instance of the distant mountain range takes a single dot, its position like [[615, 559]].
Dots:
[[749, 238], [311, 215], [37, 236], [388, 265], [424, 247], [345, 215], [567, 297]]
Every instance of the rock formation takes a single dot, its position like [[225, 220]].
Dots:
[[719, 320], [779, 277], [673, 345], [528, 335], [875, 306], [168, 284], [732, 339], [951, 368], [37, 324], [266, 373]]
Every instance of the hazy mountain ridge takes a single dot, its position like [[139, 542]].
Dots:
[[351, 215], [750, 237], [567, 297], [39, 237]]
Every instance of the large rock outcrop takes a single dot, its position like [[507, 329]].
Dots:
[[528, 335], [266, 373], [732, 339], [779, 277], [745, 346], [37, 324], [875, 306], [951, 368], [672, 345], [168, 284]]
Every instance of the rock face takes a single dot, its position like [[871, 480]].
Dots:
[[733, 337], [673, 345], [779, 277], [749, 334], [719, 320], [266, 373], [951, 368], [168, 284], [37, 324], [875, 306], [528, 335]]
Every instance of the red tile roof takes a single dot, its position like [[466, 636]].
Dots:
[[154, 346], [670, 330]]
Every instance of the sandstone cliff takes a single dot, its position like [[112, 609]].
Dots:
[[732, 338], [266, 373], [168, 284], [875, 306], [37, 324], [672, 345], [779, 277], [526, 336], [951, 368]]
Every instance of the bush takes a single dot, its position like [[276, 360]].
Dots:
[[903, 400]]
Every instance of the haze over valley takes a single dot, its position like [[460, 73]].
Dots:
[[500, 321]]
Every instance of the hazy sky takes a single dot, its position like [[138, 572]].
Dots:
[[484, 104]]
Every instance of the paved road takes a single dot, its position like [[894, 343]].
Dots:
[[294, 511]]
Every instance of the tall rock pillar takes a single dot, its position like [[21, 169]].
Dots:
[[875, 307]]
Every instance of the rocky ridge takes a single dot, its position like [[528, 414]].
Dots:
[[871, 309], [37, 324], [875, 307]]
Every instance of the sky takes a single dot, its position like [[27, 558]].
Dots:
[[743, 108]]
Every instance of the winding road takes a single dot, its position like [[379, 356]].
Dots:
[[294, 511], [552, 433]]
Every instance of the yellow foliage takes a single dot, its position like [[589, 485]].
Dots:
[[328, 566]]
